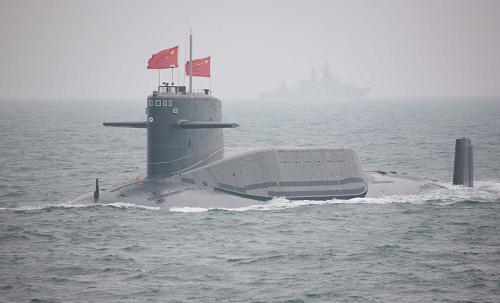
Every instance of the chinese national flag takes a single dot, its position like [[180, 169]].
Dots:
[[201, 67], [164, 59]]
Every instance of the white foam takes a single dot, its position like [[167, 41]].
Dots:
[[280, 203], [189, 209], [45, 206], [483, 191]]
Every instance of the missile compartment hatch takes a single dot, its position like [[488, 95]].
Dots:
[[314, 174]]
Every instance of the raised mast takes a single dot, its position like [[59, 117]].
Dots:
[[190, 62]]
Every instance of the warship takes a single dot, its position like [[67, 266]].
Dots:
[[187, 165], [325, 88]]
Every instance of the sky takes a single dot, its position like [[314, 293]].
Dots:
[[99, 49]]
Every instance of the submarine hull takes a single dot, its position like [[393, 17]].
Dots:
[[257, 176]]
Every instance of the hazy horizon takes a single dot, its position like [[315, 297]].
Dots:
[[78, 49]]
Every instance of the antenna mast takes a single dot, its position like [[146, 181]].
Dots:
[[190, 62]]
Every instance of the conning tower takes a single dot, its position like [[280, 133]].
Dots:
[[184, 130]]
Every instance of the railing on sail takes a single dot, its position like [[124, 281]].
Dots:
[[178, 89]]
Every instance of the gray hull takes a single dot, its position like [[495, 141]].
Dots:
[[255, 177]]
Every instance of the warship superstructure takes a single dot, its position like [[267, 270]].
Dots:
[[187, 165], [325, 87]]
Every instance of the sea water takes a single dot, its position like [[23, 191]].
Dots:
[[442, 246]]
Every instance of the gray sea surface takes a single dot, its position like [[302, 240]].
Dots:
[[443, 246]]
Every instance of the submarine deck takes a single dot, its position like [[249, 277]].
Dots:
[[254, 176]]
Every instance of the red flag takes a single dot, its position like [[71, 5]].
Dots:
[[201, 67], [164, 59]]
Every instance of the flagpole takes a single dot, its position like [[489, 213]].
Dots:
[[210, 76], [172, 74], [210, 85], [159, 78], [190, 62], [185, 41]]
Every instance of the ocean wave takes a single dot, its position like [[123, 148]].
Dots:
[[482, 192], [44, 207]]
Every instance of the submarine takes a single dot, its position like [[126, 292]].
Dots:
[[187, 165]]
